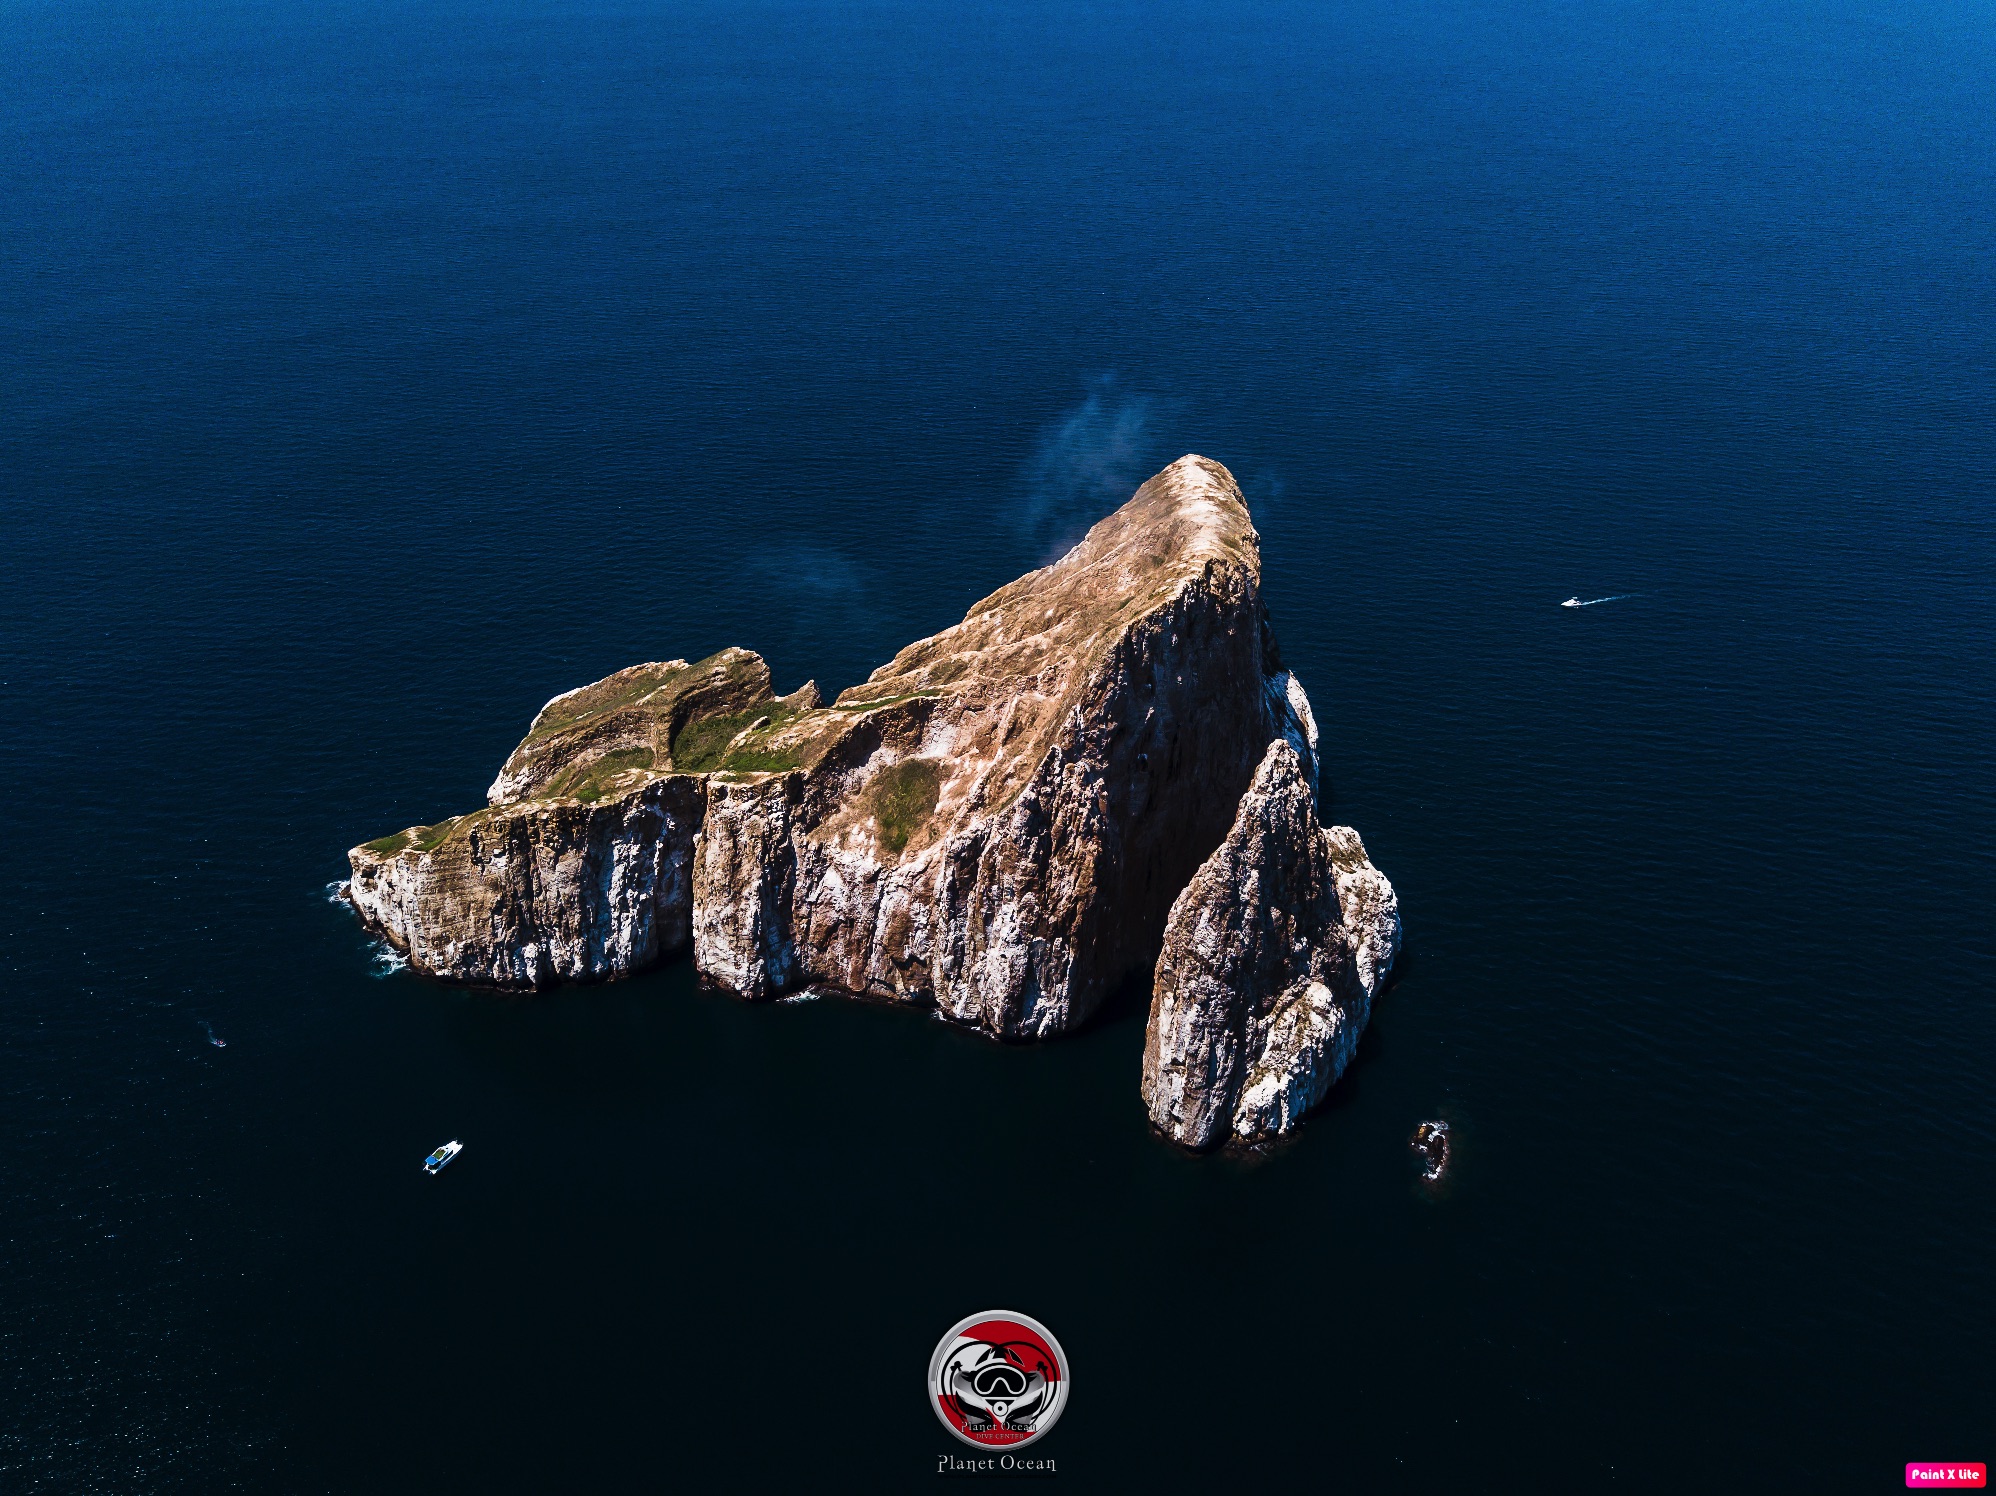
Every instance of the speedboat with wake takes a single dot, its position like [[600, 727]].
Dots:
[[441, 1157]]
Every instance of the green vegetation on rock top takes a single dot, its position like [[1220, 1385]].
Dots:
[[703, 745], [623, 689], [655, 686], [587, 782], [421, 838], [904, 797]]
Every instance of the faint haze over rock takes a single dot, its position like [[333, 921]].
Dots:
[[1087, 461]]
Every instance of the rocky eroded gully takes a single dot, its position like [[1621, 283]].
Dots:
[[1104, 760]]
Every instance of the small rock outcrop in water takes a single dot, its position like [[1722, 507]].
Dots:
[[996, 822], [1431, 1142], [1272, 956]]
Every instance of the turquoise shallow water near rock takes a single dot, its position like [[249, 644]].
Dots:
[[380, 372]]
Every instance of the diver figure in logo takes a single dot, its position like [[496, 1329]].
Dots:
[[991, 1386]]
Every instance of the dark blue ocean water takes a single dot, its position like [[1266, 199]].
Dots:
[[373, 373]]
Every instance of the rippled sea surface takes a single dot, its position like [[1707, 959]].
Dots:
[[374, 373]]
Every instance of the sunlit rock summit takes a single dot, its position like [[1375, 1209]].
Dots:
[[996, 823]]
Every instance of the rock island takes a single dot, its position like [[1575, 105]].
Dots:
[[1103, 771]]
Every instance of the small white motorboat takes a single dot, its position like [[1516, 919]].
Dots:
[[441, 1157], [1573, 602]]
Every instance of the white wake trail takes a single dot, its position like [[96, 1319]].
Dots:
[[1575, 602]]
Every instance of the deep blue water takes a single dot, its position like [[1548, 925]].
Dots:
[[374, 373]]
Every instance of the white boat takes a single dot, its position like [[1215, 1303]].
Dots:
[[1573, 602], [441, 1157]]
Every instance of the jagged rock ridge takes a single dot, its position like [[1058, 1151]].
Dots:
[[995, 822], [1271, 959]]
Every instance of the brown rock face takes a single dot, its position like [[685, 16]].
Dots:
[[995, 822], [744, 877], [538, 892], [1271, 959]]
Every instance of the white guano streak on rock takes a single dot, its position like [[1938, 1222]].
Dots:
[[1368, 907], [743, 873], [539, 893], [1293, 721], [1272, 957]]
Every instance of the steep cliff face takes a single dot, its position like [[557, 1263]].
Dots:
[[1010, 847], [529, 894], [996, 822], [745, 870], [1271, 958]]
